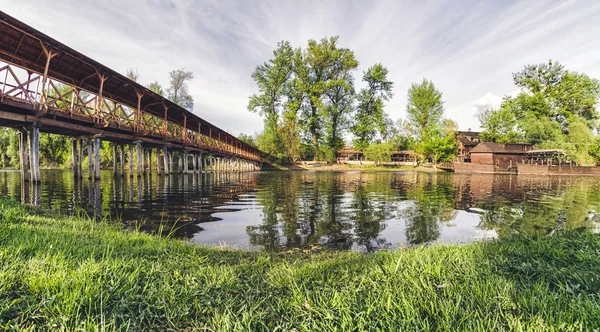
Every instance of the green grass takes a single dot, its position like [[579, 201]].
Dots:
[[76, 274]]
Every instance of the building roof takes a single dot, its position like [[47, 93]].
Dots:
[[489, 147], [470, 133], [466, 142]]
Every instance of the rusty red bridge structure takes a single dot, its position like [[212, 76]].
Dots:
[[46, 86]]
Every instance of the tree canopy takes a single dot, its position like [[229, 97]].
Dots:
[[556, 108], [308, 102]]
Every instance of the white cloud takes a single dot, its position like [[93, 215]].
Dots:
[[468, 49]]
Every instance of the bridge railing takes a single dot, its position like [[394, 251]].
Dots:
[[28, 87]]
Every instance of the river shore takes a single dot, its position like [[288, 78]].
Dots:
[[356, 167], [73, 273]]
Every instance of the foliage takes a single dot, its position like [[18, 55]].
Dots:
[[132, 74], [379, 152], [306, 98], [370, 118], [432, 134], [556, 108], [499, 126], [9, 154], [595, 150], [248, 139], [156, 88], [178, 91], [425, 108], [103, 278]]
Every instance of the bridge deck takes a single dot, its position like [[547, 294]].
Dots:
[[46, 83]]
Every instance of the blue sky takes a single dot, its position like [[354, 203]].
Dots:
[[468, 48]]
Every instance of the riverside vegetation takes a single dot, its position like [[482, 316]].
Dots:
[[76, 273]]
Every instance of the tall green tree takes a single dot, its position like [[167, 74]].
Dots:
[[272, 79], [556, 108], [499, 126], [370, 117], [178, 91], [425, 108]]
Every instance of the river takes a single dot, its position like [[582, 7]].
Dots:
[[342, 211]]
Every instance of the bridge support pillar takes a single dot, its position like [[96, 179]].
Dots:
[[80, 158], [24, 154], [34, 153], [114, 158], [142, 159], [131, 160], [200, 162], [149, 163], [138, 145], [212, 168], [186, 169], [90, 151], [74, 158], [179, 163], [159, 161], [171, 164], [122, 158], [194, 164], [166, 160], [97, 145]]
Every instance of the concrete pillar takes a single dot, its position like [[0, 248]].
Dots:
[[130, 160], [138, 145], [74, 158], [186, 169], [24, 155], [122, 158], [97, 145], [212, 163], [90, 151], [34, 153], [171, 164]]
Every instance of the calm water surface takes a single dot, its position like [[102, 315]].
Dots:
[[343, 211]]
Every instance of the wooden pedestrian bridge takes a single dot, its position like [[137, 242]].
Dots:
[[46, 86]]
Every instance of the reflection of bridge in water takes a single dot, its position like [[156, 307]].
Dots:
[[45, 86]]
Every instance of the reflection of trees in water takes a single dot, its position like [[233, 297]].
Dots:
[[432, 203], [570, 205], [308, 209]]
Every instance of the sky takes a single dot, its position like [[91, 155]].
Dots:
[[469, 49]]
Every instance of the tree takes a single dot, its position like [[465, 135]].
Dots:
[[370, 118], [132, 74], [595, 150], [556, 108], [425, 109], [272, 78], [499, 126], [248, 139], [178, 89], [156, 88], [379, 152]]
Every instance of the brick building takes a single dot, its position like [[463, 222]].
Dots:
[[504, 155], [465, 142]]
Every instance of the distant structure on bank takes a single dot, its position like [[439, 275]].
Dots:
[[465, 142]]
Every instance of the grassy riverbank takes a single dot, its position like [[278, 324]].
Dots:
[[74, 273], [363, 168]]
